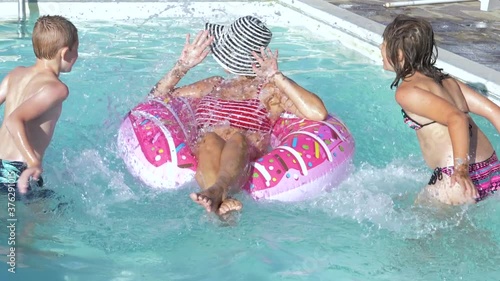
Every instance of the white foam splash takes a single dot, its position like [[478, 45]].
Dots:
[[99, 185], [383, 198]]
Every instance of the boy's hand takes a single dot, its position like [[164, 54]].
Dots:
[[194, 53], [33, 173]]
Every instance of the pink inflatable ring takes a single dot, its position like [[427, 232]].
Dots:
[[306, 158]]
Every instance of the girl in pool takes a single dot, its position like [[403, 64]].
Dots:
[[235, 116], [437, 107]]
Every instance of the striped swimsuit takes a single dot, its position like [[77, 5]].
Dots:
[[247, 114], [485, 175]]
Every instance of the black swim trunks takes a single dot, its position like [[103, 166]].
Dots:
[[9, 174]]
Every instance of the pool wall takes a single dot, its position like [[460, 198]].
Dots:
[[318, 16]]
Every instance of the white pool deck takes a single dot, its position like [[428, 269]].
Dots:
[[317, 16]]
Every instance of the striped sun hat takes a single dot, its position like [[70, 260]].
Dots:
[[233, 45]]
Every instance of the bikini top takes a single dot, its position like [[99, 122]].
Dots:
[[412, 123], [248, 114]]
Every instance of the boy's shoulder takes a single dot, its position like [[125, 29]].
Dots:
[[40, 82], [49, 91], [12, 77], [42, 78], [19, 70], [55, 88], [16, 71]]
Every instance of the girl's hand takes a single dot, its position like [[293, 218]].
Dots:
[[268, 62], [462, 177], [194, 53]]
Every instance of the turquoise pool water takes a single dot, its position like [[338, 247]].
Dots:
[[115, 228]]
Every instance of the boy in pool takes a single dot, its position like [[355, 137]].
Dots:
[[33, 99], [437, 107]]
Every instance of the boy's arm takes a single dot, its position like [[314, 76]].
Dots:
[[3, 89], [48, 97], [481, 105]]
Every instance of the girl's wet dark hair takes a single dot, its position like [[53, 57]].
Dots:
[[415, 38]]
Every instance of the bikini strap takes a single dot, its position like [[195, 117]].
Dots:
[[437, 174]]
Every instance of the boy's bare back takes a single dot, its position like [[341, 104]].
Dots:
[[22, 84]]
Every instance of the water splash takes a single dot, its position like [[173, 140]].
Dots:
[[383, 199], [98, 185]]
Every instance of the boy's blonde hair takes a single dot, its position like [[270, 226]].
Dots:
[[50, 34]]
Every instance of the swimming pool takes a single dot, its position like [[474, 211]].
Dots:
[[114, 228]]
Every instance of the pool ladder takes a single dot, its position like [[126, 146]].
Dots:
[[21, 10], [21, 18]]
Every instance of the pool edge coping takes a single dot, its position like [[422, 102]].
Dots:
[[371, 32]]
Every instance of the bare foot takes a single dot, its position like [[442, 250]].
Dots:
[[210, 198], [229, 205]]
